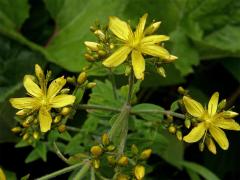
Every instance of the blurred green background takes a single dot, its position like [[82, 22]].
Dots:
[[205, 35]]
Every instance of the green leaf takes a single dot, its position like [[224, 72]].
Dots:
[[201, 170], [42, 150], [10, 175], [34, 155], [148, 116], [184, 50]]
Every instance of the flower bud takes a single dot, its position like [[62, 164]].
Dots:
[[229, 114], [128, 70], [111, 46], [36, 135], [93, 46], [100, 34], [111, 148], [105, 139], [39, 72], [96, 150], [102, 53], [169, 118], [91, 85], [62, 128], [65, 91], [89, 58], [16, 129], [161, 71], [145, 154], [82, 78], [25, 136], [187, 123], [172, 129], [139, 172], [22, 112], [65, 111], [29, 119], [211, 145], [181, 90], [179, 135], [152, 28], [171, 58], [71, 80], [111, 160], [222, 104], [57, 119], [134, 149], [96, 163], [201, 146], [123, 161]]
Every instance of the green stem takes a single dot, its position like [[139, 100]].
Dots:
[[113, 81], [58, 152], [106, 108], [165, 112], [82, 172], [60, 172], [130, 84], [97, 107]]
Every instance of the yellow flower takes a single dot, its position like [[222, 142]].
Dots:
[[2, 175], [42, 99], [210, 120], [137, 43]]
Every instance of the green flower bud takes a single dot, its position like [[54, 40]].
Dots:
[[179, 135], [111, 160], [161, 71], [82, 78], [105, 139], [134, 149], [187, 123]]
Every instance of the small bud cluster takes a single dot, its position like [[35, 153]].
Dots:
[[129, 165], [101, 49], [81, 80]]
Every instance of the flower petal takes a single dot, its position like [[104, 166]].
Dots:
[[196, 133], [25, 103], [153, 39], [45, 119], [138, 64], [213, 104], [155, 50], [120, 28], [193, 107], [55, 87], [229, 124], [31, 87], [219, 136], [140, 27], [211, 145], [117, 57], [62, 100]]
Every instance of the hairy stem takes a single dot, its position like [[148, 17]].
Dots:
[[58, 152], [113, 81], [130, 83]]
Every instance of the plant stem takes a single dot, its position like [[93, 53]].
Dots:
[[106, 108], [114, 87], [130, 84], [82, 172], [97, 107], [59, 154], [60, 172], [165, 112]]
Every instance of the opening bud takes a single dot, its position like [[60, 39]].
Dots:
[[100, 34], [229, 114], [152, 28], [93, 46], [82, 78], [139, 172], [89, 58], [145, 154], [222, 104], [96, 150]]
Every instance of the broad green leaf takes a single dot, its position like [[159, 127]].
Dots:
[[33, 156], [41, 148], [201, 170]]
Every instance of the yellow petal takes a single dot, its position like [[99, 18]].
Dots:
[[193, 107], [120, 28], [228, 124], [31, 87], [140, 27], [62, 100], [138, 64], [219, 136], [211, 145], [196, 133], [55, 87], [117, 57], [2, 175], [213, 104], [155, 50], [153, 39], [45, 119], [25, 103], [152, 28]]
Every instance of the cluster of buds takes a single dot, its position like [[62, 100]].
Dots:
[[81, 80], [133, 160], [102, 48]]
